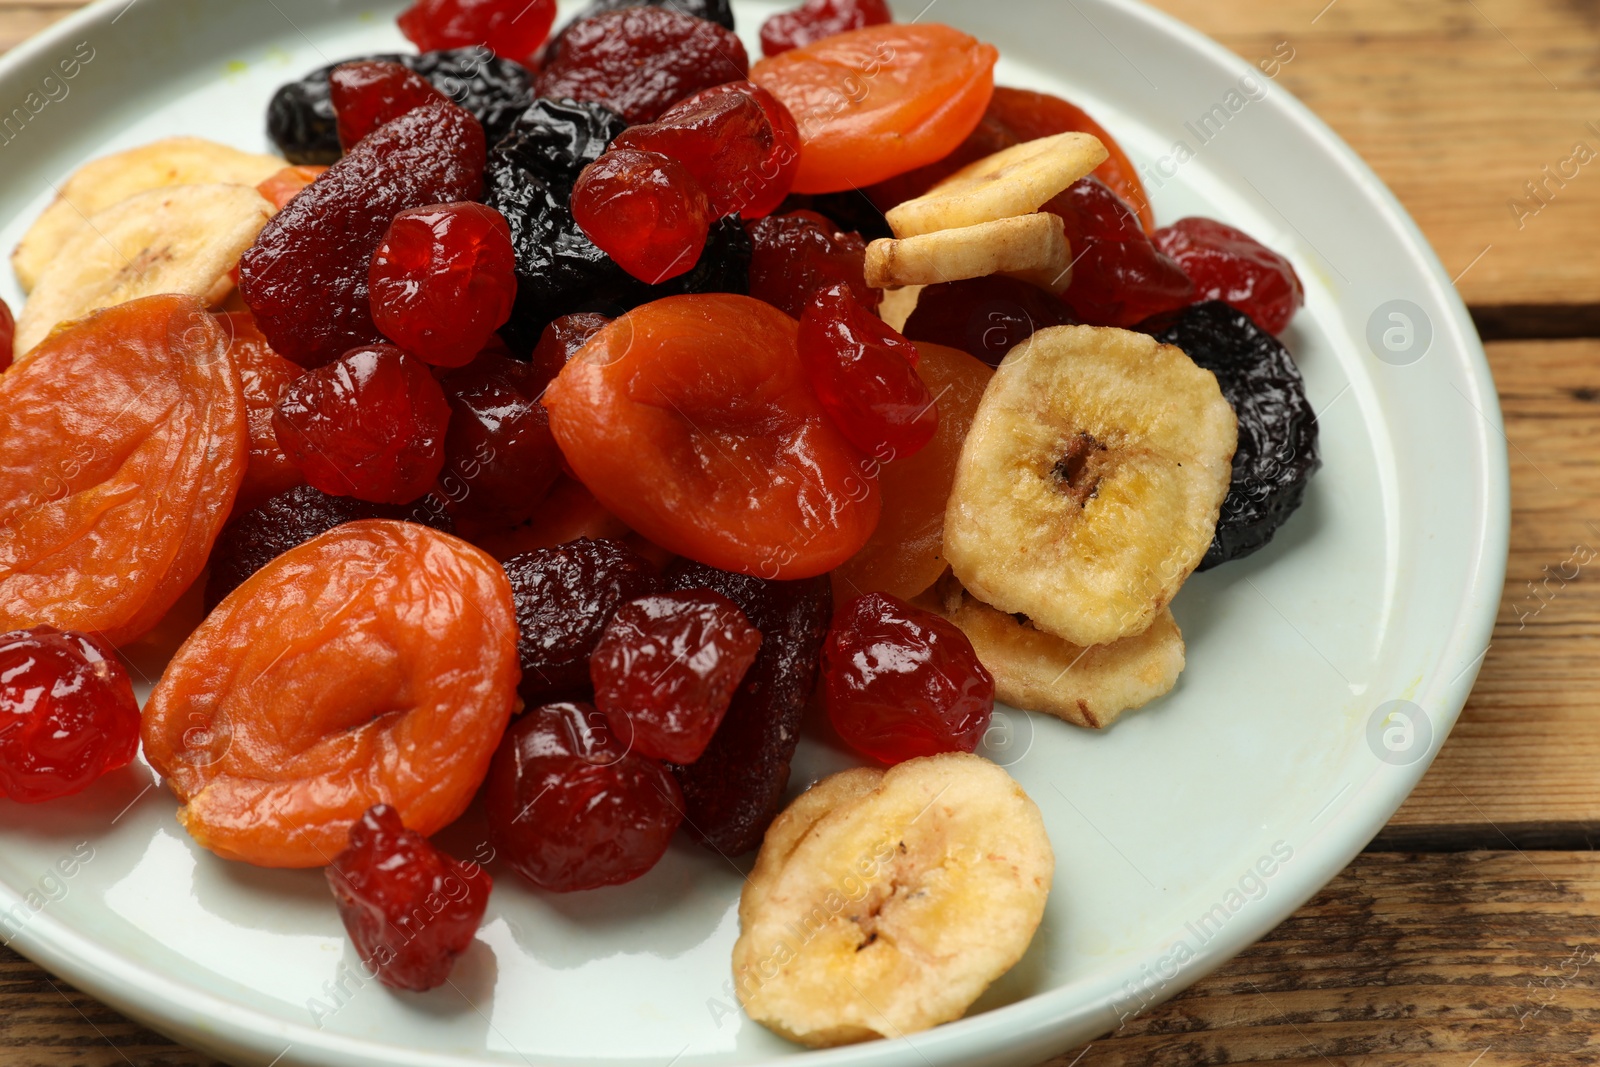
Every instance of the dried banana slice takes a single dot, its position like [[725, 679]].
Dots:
[[182, 239], [1091, 482], [897, 908], [1036, 244], [1014, 181], [109, 181], [795, 821], [1089, 687]]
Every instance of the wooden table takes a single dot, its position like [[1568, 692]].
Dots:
[[1469, 933]]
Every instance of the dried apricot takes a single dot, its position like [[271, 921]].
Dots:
[[285, 185], [374, 664], [879, 101], [264, 375], [123, 441]]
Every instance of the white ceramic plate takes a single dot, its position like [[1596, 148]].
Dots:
[[1183, 834]]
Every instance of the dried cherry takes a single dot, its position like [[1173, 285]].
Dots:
[[902, 682], [410, 910], [69, 714], [668, 665], [718, 11], [816, 19], [639, 61], [500, 458], [565, 596], [305, 278], [733, 791], [1119, 278], [562, 340], [571, 807], [1277, 452], [368, 94], [795, 255], [319, 689], [762, 189], [511, 28], [123, 441], [8, 333], [1229, 265], [443, 281], [985, 317], [370, 425], [644, 210]]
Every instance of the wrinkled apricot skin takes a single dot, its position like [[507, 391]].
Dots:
[[264, 376], [690, 419], [880, 101], [123, 441], [906, 554], [375, 664]]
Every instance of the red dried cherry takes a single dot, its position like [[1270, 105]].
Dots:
[[762, 191], [410, 910], [1229, 265], [443, 281], [369, 93], [511, 28], [562, 340], [797, 254], [370, 425], [901, 682], [641, 60], [8, 333], [500, 459], [645, 211], [67, 714], [985, 317], [668, 665], [816, 19], [570, 807], [864, 374], [1119, 277]]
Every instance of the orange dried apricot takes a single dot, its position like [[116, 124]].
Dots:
[[375, 664], [264, 376], [285, 185], [122, 444]]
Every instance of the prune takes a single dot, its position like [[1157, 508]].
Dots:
[[256, 538], [733, 791], [864, 374], [1229, 265], [792, 256], [301, 120], [985, 317], [851, 211], [1118, 278], [305, 279], [644, 210], [500, 458], [376, 664], [514, 28], [571, 807], [639, 61], [1277, 452], [565, 596], [816, 19], [410, 910], [443, 281], [667, 665], [902, 682], [367, 95], [69, 710], [724, 138]]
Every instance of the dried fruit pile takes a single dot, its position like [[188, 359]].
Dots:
[[561, 416]]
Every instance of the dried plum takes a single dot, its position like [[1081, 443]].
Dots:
[[301, 120], [553, 140], [1277, 453], [733, 791]]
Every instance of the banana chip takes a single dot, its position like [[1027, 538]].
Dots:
[[1015, 181], [1036, 244]]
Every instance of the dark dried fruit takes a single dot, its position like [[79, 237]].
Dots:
[[302, 123], [1277, 452], [305, 279], [795, 255], [565, 596], [816, 19], [367, 95], [640, 61], [644, 210], [571, 808], [290, 519], [500, 458], [985, 317], [410, 910], [733, 791]]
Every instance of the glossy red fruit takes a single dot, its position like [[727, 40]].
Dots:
[[668, 665], [985, 317], [641, 60], [305, 279], [368, 94], [816, 19], [761, 191], [901, 682], [443, 281], [570, 807], [1229, 265], [67, 714], [500, 458], [864, 374], [797, 254], [8, 333], [1119, 277], [370, 425], [562, 340], [513, 29], [410, 910], [645, 211]]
